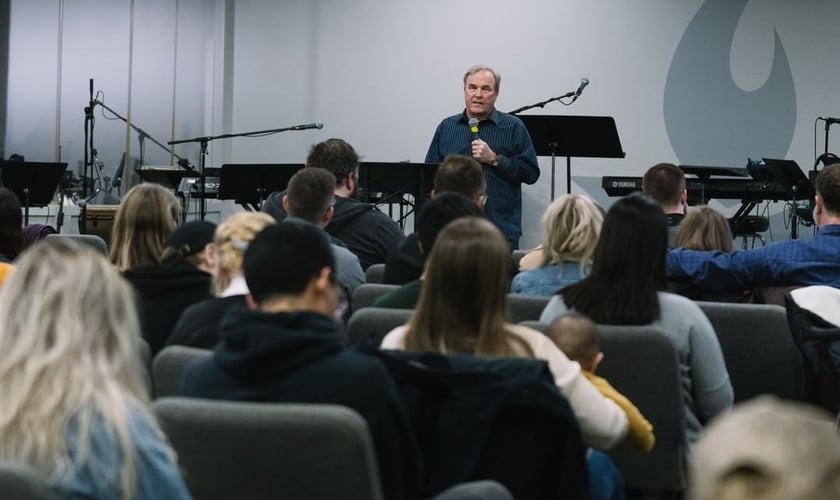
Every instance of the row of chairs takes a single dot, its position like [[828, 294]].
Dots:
[[757, 345]]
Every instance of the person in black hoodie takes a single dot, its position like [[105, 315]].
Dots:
[[182, 278], [289, 348], [361, 227]]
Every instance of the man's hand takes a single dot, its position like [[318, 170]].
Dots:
[[482, 152]]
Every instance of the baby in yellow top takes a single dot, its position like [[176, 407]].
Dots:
[[577, 336]]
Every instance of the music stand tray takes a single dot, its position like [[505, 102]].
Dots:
[[790, 176], [393, 179], [167, 176], [34, 183], [252, 183], [573, 136]]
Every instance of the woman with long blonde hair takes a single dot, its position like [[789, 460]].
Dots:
[[199, 323], [462, 310], [571, 226], [74, 403]]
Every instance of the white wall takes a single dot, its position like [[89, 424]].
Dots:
[[154, 62]]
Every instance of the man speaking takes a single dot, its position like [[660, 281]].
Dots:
[[499, 141]]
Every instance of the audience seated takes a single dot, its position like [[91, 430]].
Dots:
[[806, 262], [74, 398], [165, 280], [626, 288], [367, 232], [11, 226], [33, 233], [310, 196], [571, 225], [577, 336], [435, 215], [462, 310], [665, 183], [289, 347], [456, 174], [199, 323], [704, 228], [767, 449]]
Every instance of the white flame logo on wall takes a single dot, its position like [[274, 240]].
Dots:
[[709, 119]]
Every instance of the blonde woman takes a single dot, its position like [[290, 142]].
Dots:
[[74, 401], [199, 324], [462, 310], [704, 228], [571, 226], [146, 217]]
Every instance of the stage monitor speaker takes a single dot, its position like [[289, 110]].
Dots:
[[99, 220]]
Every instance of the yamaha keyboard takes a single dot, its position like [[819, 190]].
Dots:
[[706, 189]]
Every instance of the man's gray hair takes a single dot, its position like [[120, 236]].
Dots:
[[480, 67]]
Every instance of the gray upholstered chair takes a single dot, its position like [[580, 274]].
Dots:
[[168, 368], [641, 363], [375, 273], [758, 348], [365, 295], [525, 307], [372, 323], [90, 240], [22, 482], [270, 450], [145, 354]]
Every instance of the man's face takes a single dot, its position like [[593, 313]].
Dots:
[[480, 94]]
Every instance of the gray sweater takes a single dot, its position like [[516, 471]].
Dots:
[[705, 380]]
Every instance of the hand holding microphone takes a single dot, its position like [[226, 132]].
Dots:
[[479, 149]]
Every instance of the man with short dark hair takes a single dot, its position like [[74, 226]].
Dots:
[[311, 196], [457, 174], [665, 183], [288, 348], [789, 263], [436, 214], [499, 141], [364, 230]]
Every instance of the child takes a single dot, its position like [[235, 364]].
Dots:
[[577, 336]]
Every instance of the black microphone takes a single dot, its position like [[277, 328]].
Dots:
[[583, 83], [829, 120], [308, 126], [473, 123]]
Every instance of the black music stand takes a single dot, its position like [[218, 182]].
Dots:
[[573, 136], [250, 184], [34, 183], [166, 176], [788, 174], [394, 179]]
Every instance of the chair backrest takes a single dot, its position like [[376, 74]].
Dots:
[[375, 273], [525, 307], [758, 349], [365, 295], [259, 451], [372, 323], [91, 240], [145, 354], [642, 364], [169, 365], [20, 481]]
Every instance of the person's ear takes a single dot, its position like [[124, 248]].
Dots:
[[819, 208], [328, 215], [210, 256], [285, 203], [596, 361]]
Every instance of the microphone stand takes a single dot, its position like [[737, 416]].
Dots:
[[553, 145], [89, 122], [142, 135], [203, 154], [542, 104]]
